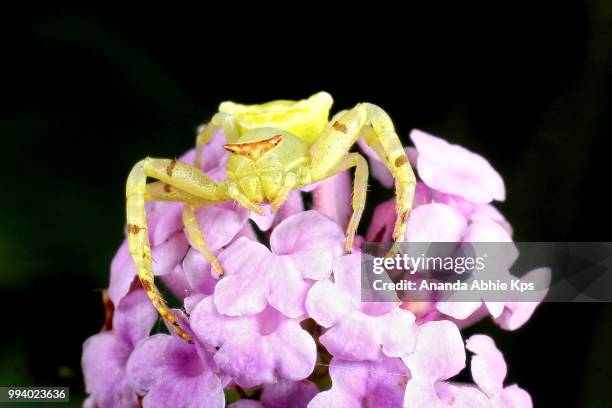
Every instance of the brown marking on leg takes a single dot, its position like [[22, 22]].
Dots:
[[400, 161], [404, 217], [170, 168], [146, 285], [133, 229], [340, 127], [167, 188]]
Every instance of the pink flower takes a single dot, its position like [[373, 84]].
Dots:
[[258, 325], [439, 356], [304, 247], [377, 384], [358, 331], [170, 372], [455, 170], [282, 394], [105, 355], [255, 349], [460, 221]]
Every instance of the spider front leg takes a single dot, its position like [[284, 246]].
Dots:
[[190, 182], [335, 142]]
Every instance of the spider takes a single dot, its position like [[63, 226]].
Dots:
[[275, 147]]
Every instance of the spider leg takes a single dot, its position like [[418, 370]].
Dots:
[[360, 187], [396, 161], [197, 238], [289, 183], [234, 193], [207, 131], [342, 132], [159, 191], [189, 181]]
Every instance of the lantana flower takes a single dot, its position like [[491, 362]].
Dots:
[[453, 204], [105, 355], [287, 317], [303, 248], [255, 349], [358, 330], [440, 355], [172, 373]]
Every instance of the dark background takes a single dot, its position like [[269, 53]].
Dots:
[[85, 95]]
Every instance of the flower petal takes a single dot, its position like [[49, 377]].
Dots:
[[265, 221], [435, 223], [516, 314], [313, 263], [275, 346], [463, 396], [381, 227], [134, 318], [354, 338], [198, 272], [455, 170], [357, 384], [307, 231], [334, 398], [245, 287], [398, 332], [291, 394], [439, 352], [332, 197], [177, 282], [326, 304], [458, 310], [103, 363], [422, 393], [213, 328], [288, 293], [122, 274], [295, 349], [165, 219], [169, 372], [515, 397], [220, 223], [488, 365]]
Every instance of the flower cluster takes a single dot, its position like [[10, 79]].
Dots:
[[285, 325]]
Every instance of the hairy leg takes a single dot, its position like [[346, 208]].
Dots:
[[197, 238], [178, 175], [289, 183], [397, 162], [343, 131], [360, 187]]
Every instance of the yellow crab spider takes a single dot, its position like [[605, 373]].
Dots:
[[276, 147]]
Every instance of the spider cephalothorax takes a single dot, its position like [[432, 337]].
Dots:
[[276, 147]]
